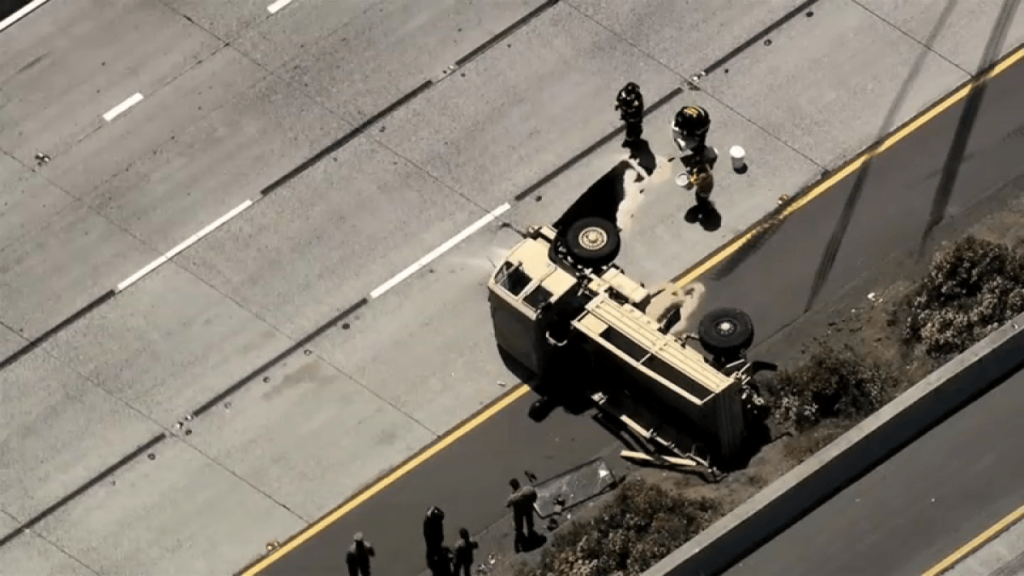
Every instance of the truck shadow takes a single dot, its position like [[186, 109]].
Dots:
[[574, 376], [601, 200], [559, 387]]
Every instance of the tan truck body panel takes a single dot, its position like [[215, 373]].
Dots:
[[656, 366]]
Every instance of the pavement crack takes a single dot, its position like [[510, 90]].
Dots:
[[687, 81], [82, 489], [297, 344], [358, 381], [9, 515], [764, 130], [363, 130], [508, 31], [625, 40], [762, 34], [242, 479], [67, 553], [10, 328], [927, 43]]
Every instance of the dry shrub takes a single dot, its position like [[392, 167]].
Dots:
[[971, 289], [833, 383], [803, 446], [639, 526]]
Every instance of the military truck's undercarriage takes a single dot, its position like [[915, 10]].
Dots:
[[558, 292]]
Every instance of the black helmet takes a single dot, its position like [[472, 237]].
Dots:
[[692, 120], [629, 92]]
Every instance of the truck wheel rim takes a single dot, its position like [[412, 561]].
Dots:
[[593, 238], [725, 327]]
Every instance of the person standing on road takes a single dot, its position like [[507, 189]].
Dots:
[[630, 105], [358, 557], [464, 553], [690, 131], [521, 502], [433, 535]]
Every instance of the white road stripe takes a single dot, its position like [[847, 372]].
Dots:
[[278, 5], [439, 251], [180, 247], [120, 108], [24, 11]]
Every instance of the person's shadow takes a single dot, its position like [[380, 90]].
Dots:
[[440, 563], [531, 541], [640, 151], [705, 214]]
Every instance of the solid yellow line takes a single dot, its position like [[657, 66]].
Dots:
[[515, 394], [522, 389], [967, 549], [738, 242]]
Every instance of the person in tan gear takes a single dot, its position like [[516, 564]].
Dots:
[[521, 502], [702, 181]]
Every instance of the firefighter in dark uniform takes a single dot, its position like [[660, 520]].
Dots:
[[464, 553], [433, 534], [358, 556], [690, 130], [630, 105]]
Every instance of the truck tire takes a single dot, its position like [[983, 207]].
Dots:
[[726, 333], [593, 242]]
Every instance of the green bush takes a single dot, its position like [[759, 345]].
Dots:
[[971, 289], [832, 383], [639, 526]]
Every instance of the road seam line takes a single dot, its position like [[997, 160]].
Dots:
[[96, 479], [123, 106], [437, 252]]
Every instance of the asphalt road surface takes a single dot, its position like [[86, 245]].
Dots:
[[891, 213], [999, 551], [917, 508], [310, 189]]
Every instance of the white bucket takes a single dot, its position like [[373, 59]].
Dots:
[[739, 158]]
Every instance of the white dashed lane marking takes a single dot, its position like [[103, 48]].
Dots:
[[436, 252], [123, 106], [376, 293], [273, 8], [181, 247]]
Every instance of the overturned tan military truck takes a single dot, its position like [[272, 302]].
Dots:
[[559, 289]]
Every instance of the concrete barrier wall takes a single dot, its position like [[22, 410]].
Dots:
[[850, 456]]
